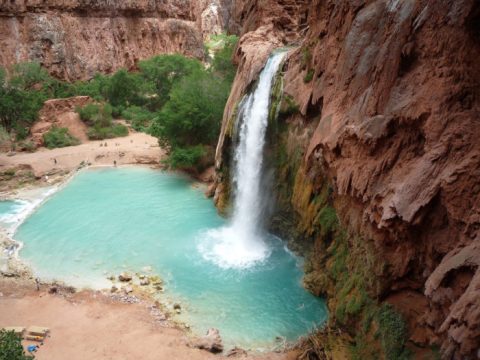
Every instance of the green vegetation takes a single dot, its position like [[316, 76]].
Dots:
[[308, 76], [139, 117], [99, 118], [306, 57], [59, 137], [393, 333], [20, 100], [11, 347], [188, 157], [178, 99], [193, 99]]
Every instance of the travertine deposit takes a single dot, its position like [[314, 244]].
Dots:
[[381, 106]]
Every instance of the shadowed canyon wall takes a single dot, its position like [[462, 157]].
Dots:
[[74, 39], [377, 158]]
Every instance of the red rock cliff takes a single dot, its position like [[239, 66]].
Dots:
[[74, 39], [385, 104]]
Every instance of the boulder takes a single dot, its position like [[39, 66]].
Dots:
[[211, 341], [125, 277]]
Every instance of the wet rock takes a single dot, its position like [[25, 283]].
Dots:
[[177, 306], [114, 289], [8, 274], [125, 277], [236, 352], [144, 282], [211, 341], [53, 290]]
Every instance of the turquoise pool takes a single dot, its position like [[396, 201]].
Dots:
[[109, 220]]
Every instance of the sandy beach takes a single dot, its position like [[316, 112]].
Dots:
[[136, 148], [90, 325]]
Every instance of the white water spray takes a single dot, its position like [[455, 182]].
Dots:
[[241, 244]]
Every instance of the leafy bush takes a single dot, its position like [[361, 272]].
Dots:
[[308, 76], [11, 347], [109, 132], [99, 118], [28, 146], [194, 112], [185, 158], [162, 72], [97, 88], [222, 61], [139, 117], [124, 88], [393, 333], [59, 137], [96, 114], [19, 107]]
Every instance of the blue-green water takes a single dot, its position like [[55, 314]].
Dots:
[[109, 220]]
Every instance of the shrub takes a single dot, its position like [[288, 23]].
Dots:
[[139, 117], [109, 132], [185, 158], [222, 61], [88, 112], [96, 115], [124, 89], [28, 146], [194, 112], [162, 72], [393, 333], [308, 76], [96, 88], [11, 347], [59, 137]]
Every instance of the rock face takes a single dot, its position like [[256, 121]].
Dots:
[[74, 39], [382, 117]]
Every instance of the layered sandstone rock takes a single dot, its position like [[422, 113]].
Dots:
[[74, 39], [388, 112]]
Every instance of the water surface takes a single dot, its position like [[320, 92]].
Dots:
[[109, 220]]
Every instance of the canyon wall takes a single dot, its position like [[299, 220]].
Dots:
[[378, 161], [74, 39]]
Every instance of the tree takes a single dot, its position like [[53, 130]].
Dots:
[[124, 89], [162, 72], [26, 75], [222, 61], [193, 114]]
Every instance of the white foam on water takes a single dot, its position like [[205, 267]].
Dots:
[[241, 244], [22, 209]]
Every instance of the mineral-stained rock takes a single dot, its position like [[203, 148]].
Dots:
[[388, 116]]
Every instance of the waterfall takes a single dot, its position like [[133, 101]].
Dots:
[[241, 244]]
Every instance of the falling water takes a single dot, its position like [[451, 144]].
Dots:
[[241, 244]]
